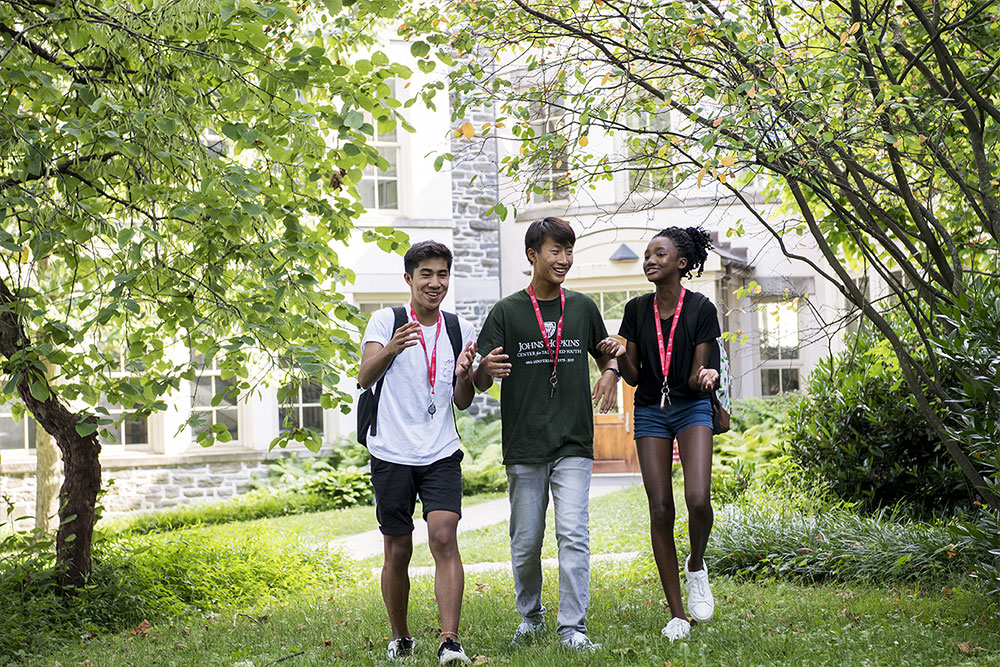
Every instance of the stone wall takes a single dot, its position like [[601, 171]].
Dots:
[[476, 271], [143, 487]]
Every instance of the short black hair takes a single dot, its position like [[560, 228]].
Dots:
[[422, 250], [556, 229], [693, 243]]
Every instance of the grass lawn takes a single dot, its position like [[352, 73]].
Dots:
[[755, 623]]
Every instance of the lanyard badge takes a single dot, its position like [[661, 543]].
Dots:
[[431, 361], [665, 356], [553, 354]]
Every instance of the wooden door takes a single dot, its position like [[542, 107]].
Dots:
[[614, 448]]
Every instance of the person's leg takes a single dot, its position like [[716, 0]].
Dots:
[[449, 576], [695, 447], [570, 482], [396, 581], [395, 500], [656, 463], [528, 490]]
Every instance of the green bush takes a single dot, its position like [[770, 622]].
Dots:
[[763, 411], [257, 504], [341, 488], [781, 527], [859, 430], [482, 469], [984, 536]]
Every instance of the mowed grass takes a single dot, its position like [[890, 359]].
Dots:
[[770, 623]]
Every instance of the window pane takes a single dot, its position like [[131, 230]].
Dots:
[[790, 379], [11, 434], [779, 331], [366, 188], [387, 194], [311, 391], [206, 422], [312, 419], [114, 436], [203, 391], [388, 137], [227, 418], [287, 419], [137, 432], [369, 307], [770, 380], [392, 156], [228, 387]]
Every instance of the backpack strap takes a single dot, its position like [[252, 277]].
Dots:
[[399, 318], [454, 335]]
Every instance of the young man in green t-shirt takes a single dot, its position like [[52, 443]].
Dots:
[[538, 340]]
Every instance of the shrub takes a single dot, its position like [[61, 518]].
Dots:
[[341, 488], [984, 536], [775, 532], [482, 469], [767, 410], [257, 504], [859, 430]]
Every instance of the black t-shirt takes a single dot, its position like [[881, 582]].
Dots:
[[540, 426], [699, 323]]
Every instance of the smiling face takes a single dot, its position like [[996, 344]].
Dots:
[[429, 283], [552, 261], [662, 261]]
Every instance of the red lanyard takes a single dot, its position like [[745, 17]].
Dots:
[[432, 362], [665, 356], [554, 355]]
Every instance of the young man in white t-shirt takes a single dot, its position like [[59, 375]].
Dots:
[[415, 447]]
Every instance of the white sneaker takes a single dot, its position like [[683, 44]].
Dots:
[[580, 642], [400, 648], [528, 629], [451, 651], [677, 628], [701, 604]]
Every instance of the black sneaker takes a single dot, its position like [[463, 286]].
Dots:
[[400, 648], [452, 651]]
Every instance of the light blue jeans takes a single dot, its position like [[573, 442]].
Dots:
[[529, 485]]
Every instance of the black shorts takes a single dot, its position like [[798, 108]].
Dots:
[[396, 487]]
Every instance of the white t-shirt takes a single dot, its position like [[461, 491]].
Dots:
[[406, 433]]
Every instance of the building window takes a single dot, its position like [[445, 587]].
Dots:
[[133, 433], [16, 434], [649, 171], [548, 121], [379, 188], [369, 307], [778, 323], [300, 407], [215, 402], [612, 304]]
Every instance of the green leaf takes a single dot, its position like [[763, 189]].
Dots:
[[39, 391]]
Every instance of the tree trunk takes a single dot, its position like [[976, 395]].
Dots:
[[81, 467]]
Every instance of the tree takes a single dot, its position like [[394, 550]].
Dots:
[[875, 122], [172, 176]]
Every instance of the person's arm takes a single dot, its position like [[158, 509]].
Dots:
[[375, 358], [606, 388], [464, 391], [702, 378]]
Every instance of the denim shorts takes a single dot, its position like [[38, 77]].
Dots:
[[674, 419]]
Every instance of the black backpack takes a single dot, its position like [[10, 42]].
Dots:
[[367, 408]]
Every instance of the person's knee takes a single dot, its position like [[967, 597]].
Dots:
[[661, 512], [443, 541], [398, 550], [699, 503]]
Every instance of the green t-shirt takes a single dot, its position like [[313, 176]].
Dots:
[[538, 428]]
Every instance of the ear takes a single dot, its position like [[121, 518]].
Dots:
[[530, 252], [682, 263], [408, 278]]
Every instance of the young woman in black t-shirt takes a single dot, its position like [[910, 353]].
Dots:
[[678, 406]]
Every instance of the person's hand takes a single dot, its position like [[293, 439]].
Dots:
[[606, 392], [707, 377], [463, 365], [405, 336], [611, 347], [496, 363]]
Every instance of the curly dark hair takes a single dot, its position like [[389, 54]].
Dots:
[[692, 243]]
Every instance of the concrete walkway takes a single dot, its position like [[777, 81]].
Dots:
[[474, 517]]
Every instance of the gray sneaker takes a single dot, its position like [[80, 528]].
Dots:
[[400, 648], [528, 629], [580, 642]]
